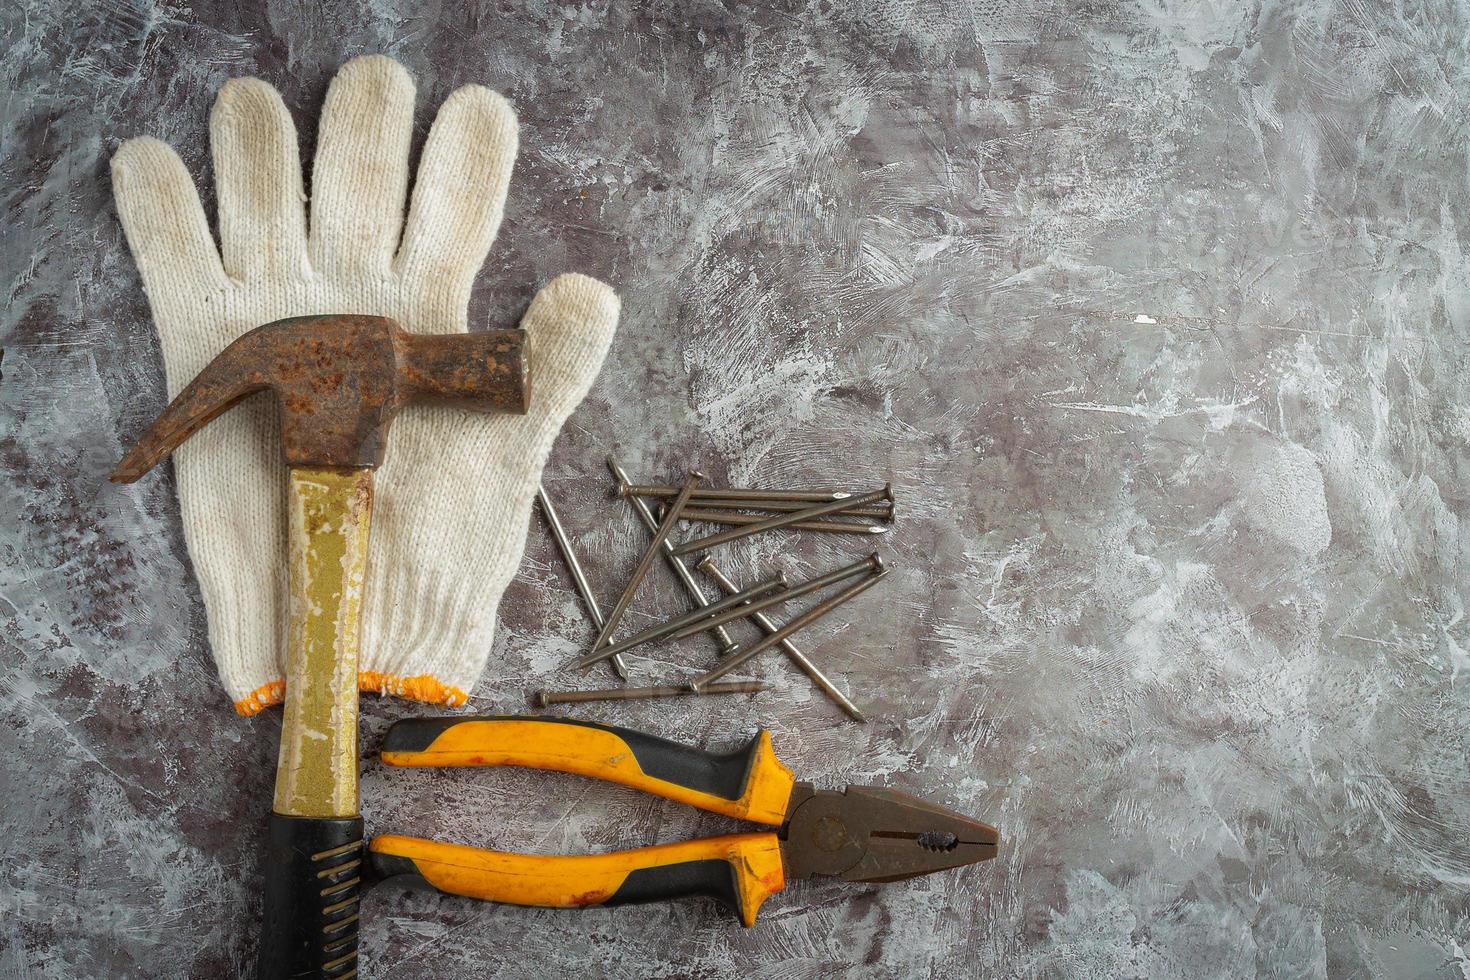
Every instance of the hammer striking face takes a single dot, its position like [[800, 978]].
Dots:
[[339, 381]]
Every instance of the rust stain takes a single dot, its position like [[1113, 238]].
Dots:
[[595, 897]]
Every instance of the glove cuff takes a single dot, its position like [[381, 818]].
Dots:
[[425, 688]]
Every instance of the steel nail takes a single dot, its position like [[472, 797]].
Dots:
[[670, 521], [879, 511], [680, 570], [579, 577], [694, 620], [544, 698], [810, 585], [626, 489], [741, 520], [792, 651], [771, 524], [800, 622]]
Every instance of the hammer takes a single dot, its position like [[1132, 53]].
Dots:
[[339, 380]]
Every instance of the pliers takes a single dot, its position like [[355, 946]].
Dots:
[[862, 833]]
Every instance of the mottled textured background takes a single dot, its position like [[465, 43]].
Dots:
[[1155, 313]]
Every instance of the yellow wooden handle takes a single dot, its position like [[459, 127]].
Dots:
[[741, 870], [749, 783], [328, 511]]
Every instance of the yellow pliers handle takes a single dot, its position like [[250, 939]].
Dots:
[[740, 869]]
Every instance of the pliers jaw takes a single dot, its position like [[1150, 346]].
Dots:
[[867, 833]]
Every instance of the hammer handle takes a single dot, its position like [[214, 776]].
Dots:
[[313, 881], [313, 870]]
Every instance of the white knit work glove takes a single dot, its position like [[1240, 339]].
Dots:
[[453, 495]]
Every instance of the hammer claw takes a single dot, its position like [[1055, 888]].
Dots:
[[214, 390]]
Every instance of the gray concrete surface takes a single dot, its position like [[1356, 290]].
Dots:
[[1156, 313]]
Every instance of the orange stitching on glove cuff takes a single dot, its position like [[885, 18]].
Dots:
[[425, 688], [261, 698]]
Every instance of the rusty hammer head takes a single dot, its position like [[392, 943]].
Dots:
[[339, 381]]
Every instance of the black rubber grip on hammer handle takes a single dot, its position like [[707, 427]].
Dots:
[[313, 881]]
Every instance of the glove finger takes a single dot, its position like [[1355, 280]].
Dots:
[[257, 165], [361, 170], [459, 195], [165, 225], [569, 326]]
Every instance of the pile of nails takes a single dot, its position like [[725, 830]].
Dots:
[[745, 512]]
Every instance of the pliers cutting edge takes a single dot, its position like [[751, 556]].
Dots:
[[862, 833]]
